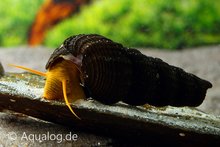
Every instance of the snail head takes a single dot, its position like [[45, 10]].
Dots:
[[62, 82]]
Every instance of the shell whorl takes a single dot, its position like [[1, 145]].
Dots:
[[161, 84], [76, 45], [113, 73]]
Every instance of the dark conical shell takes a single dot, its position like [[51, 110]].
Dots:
[[113, 73]]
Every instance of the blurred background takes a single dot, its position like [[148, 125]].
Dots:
[[138, 23], [184, 33]]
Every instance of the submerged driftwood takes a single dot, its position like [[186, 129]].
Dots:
[[22, 93]]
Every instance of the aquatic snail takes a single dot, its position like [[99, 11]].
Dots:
[[93, 66]]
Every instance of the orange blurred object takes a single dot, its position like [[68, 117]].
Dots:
[[50, 13]]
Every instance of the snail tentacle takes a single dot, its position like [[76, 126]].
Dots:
[[29, 69], [64, 82]]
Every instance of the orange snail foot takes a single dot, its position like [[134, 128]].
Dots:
[[56, 83]]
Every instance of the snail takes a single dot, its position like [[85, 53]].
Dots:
[[94, 66]]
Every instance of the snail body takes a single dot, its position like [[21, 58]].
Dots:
[[94, 66]]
